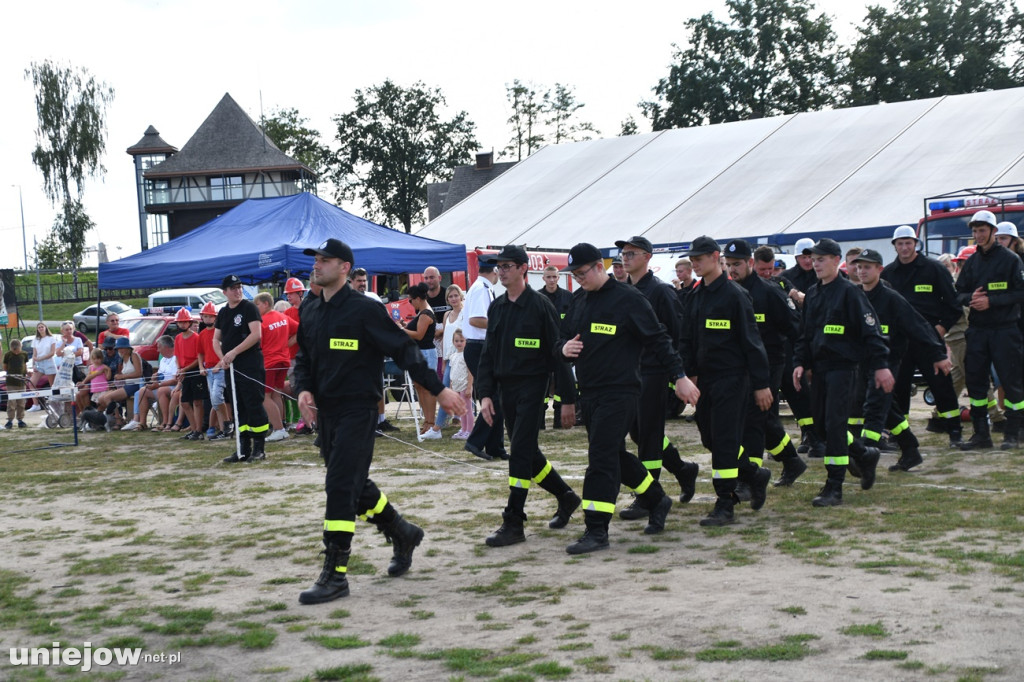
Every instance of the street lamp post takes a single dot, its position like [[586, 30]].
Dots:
[[24, 241]]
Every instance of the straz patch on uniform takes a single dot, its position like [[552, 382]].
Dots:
[[835, 329], [884, 328], [597, 328], [922, 288], [344, 344], [717, 324], [997, 286], [527, 343], [758, 317]]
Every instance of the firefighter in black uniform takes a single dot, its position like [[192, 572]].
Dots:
[[838, 331], [343, 338], [605, 332], [778, 324], [648, 431], [903, 326], [992, 285], [562, 300], [517, 358], [927, 285], [236, 340], [724, 354]]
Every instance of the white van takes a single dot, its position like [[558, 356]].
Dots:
[[195, 298]]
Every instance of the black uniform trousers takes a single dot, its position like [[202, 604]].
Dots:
[[874, 410], [347, 438], [521, 404], [941, 384], [832, 396], [725, 405], [775, 436], [999, 347], [249, 391], [608, 415], [799, 401], [484, 436], [648, 428]]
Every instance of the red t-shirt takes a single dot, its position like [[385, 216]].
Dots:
[[206, 348], [121, 331], [186, 349], [293, 314], [277, 329]]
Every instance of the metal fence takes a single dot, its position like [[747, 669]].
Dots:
[[63, 290]]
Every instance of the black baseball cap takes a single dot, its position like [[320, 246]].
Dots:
[[582, 254], [109, 341], [230, 281], [703, 245], [639, 242], [516, 254], [333, 248], [617, 260], [827, 247], [870, 256], [738, 248]]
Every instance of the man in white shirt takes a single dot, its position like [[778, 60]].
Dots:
[[485, 441]]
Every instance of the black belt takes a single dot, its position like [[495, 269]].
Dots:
[[474, 340]]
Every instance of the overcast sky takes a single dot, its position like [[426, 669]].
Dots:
[[171, 62]]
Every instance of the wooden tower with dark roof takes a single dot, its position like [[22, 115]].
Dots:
[[226, 161]]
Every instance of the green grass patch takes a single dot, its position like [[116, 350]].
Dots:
[[791, 648], [886, 655], [400, 640], [338, 642], [356, 672], [876, 630]]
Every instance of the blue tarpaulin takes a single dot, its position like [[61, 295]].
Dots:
[[262, 239]]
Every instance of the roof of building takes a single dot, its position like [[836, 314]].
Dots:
[[228, 140], [151, 143], [468, 179], [776, 178]]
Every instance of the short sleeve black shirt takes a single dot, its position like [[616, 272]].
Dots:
[[233, 324]]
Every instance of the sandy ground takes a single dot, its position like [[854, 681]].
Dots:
[[639, 611]]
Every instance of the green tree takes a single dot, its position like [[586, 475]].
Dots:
[[560, 107], [629, 126], [287, 129], [772, 58], [930, 48], [64, 247], [71, 107], [525, 119], [392, 144]]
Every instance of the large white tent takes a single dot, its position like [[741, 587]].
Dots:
[[853, 174]]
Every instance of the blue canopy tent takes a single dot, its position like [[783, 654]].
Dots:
[[261, 240]]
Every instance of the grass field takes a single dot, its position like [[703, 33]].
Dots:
[[139, 540]]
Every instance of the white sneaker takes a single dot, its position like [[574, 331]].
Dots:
[[131, 426], [280, 434], [430, 434], [35, 408]]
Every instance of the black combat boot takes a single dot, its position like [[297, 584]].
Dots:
[[792, 468], [332, 583], [831, 495], [594, 538], [258, 453], [867, 463], [634, 511], [1012, 430], [687, 478], [568, 503], [404, 537], [758, 486], [910, 458], [982, 439], [510, 532], [245, 455], [721, 515], [658, 515], [954, 426], [742, 492]]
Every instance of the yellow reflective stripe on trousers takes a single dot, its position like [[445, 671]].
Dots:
[[900, 428], [665, 443], [644, 485], [725, 473], [993, 403], [543, 473], [1013, 406], [340, 526], [837, 461], [243, 427], [950, 414], [259, 429], [780, 447], [981, 403], [806, 421], [523, 483], [871, 435], [849, 437], [594, 505], [756, 461], [856, 421], [341, 569], [382, 502], [652, 464]]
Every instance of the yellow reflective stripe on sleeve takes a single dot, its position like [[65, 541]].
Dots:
[[671, 386], [781, 446], [665, 443], [725, 473], [527, 343], [340, 526], [602, 507], [900, 428], [652, 464], [259, 429], [717, 324], [806, 421], [596, 328], [758, 317], [922, 288], [981, 403], [835, 329], [1013, 406], [523, 483], [997, 286], [856, 421], [542, 474], [756, 461], [949, 415], [557, 398], [344, 344], [871, 435], [837, 461], [644, 485], [741, 452]]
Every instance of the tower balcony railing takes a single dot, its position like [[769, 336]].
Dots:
[[156, 196]]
